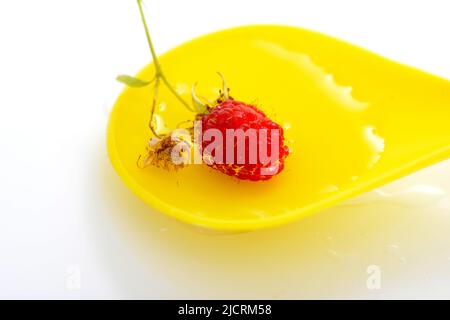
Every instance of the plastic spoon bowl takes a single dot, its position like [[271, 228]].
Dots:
[[353, 119]]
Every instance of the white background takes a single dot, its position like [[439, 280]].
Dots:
[[69, 228]]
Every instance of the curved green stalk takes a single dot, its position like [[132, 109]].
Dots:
[[159, 75], [149, 39]]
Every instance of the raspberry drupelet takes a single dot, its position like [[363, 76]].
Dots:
[[235, 115]]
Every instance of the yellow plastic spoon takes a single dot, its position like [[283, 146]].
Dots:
[[353, 119]]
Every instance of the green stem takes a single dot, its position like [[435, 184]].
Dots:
[[149, 39], [175, 93], [158, 70]]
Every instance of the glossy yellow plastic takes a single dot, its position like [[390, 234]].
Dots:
[[353, 120]]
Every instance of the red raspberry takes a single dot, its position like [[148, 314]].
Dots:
[[233, 114], [252, 140]]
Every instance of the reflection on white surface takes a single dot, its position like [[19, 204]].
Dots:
[[412, 196], [325, 256]]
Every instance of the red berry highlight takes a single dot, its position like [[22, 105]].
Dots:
[[235, 115]]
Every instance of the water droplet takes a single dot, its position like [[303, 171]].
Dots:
[[159, 124], [329, 189], [287, 126], [182, 88], [259, 213], [334, 254], [162, 107], [392, 249], [376, 143], [342, 94]]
